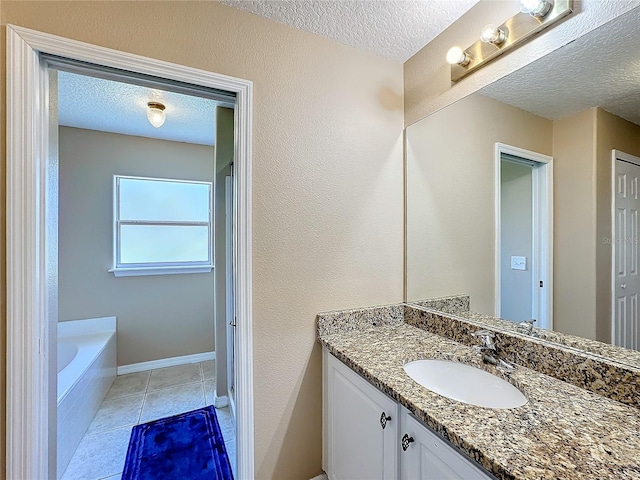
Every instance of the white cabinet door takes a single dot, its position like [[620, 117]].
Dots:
[[429, 457], [356, 444]]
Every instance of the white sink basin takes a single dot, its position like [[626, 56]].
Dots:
[[465, 383]]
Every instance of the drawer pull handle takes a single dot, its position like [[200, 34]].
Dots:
[[406, 441], [384, 418]]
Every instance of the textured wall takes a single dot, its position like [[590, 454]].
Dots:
[[427, 77], [451, 195], [159, 316], [327, 187], [574, 225]]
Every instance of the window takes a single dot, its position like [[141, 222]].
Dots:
[[161, 226]]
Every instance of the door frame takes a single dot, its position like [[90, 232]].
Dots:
[[229, 294], [625, 157], [542, 241], [28, 413]]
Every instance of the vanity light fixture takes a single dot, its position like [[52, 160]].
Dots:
[[534, 16], [456, 55], [156, 114], [494, 35]]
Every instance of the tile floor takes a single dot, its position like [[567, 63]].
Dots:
[[139, 398]]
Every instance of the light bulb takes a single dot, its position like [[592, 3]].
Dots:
[[456, 55], [536, 8], [156, 114], [492, 34]]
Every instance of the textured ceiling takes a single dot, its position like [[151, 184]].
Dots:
[[116, 107], [601, 69], [394, 29]]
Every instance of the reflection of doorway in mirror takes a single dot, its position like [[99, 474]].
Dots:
[[625, 329], [523, 236], [516, 239]]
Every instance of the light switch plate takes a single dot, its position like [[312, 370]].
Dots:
[[518, 263]]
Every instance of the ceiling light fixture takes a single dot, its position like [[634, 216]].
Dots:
[[496, 40], [536, 8], [456, 55], [494, 35], [156, 114]]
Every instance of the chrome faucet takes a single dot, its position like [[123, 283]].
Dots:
[[488, 351], [526, 327]]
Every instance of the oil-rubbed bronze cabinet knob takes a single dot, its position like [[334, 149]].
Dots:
[[384, 418], [406, 441]]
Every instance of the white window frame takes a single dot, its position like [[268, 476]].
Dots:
[[165, 268]]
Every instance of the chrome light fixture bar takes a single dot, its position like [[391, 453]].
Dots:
[[496, 41]]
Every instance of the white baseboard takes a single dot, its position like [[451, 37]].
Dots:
[[321, 477], [166, 362], [220, 402]]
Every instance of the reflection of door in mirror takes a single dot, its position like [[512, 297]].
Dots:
[[524, 232], [516, 241], [626, 281]]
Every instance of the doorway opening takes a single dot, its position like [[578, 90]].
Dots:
[[625, 280], [142, 199], [524, 236], [32, 249]]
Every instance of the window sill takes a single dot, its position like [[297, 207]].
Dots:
[[141, 271]]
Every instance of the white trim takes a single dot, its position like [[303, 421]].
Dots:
[[321, 477], [27, 326], [232, 406], [165, 362], [220, 401], [27, 351], [160, 268], [625, 157], [542, 181], [139, 271], [84, 326]]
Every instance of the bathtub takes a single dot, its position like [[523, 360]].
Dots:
[[86, 370]]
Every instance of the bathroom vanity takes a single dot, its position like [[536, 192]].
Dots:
[[380, 423], [397, 446]]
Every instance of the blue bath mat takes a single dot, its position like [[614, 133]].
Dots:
[[188, 446]]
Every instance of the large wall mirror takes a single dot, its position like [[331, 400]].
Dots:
[[524, 195]]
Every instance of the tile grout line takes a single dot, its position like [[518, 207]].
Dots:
[[173, 386]]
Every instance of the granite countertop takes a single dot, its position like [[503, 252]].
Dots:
[[607, 351], [459, 306], [563, 432]]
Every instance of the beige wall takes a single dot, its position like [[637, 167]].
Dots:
[[327, 184], [574, 224], [159, 316], [427, 80], [451, 195], [612, 133]]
